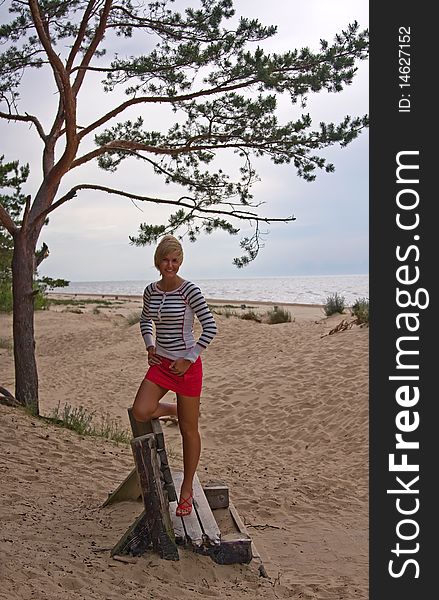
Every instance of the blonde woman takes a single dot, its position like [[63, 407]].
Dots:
[[166, 324]]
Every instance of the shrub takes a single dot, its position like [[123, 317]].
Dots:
[[360, 309], [133, 318], [334, 304], [111, 429], [81, 420], [76, 418], [41, 287], [82, 302], [6, 301], [5, 296], [278, 315], [250, 315], [225, 311], [6, 344], [41, 300]]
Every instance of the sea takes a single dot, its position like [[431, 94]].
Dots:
[[304, 289]]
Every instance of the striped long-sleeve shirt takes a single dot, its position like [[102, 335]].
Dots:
[[172, 313]]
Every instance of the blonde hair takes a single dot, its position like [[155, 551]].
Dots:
[[167, 245]]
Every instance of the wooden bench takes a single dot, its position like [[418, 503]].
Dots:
[[158, 527]]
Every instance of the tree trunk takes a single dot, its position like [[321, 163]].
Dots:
[[26, 376]]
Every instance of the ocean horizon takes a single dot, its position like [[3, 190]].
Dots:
[[294, 289]]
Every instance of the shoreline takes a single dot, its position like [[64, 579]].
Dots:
[[126, 304], [211, 300]]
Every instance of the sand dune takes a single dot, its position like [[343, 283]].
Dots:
[[284, 418]]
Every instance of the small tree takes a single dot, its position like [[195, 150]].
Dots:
[[225, 97], [12, 179]]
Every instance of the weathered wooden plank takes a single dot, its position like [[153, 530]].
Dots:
[[143, 428], [234, 548], [242, 528], [158, 432], [212, 534], [129, 489], [193, 531], [164, 464], [217, 494], [238, 521], [156, 504], [177, 522], [138, 428], [136, 540]]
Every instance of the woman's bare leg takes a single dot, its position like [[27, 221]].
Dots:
[[188, 410], [147, 403]]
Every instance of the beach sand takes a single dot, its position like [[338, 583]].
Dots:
[[284, 424]]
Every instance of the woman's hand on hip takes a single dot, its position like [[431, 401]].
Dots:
[[153, 359], [180, 366]]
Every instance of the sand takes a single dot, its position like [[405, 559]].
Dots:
[[284, 423]]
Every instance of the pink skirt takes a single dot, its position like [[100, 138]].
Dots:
[[188, 384]]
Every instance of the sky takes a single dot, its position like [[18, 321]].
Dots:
[[88, 237]]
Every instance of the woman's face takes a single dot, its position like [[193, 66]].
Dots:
[[170, 264]]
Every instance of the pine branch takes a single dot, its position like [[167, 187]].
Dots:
[[183, 202]]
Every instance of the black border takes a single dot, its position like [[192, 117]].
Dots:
[[392, 131]]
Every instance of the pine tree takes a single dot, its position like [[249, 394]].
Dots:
[[217, 80]]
